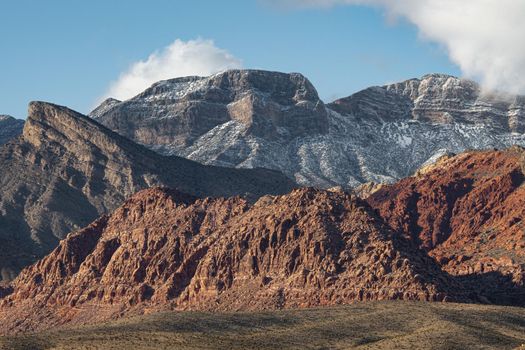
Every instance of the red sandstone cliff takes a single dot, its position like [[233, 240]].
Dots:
[[166, 250]]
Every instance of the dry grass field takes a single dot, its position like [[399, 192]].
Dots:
[[377, 325]]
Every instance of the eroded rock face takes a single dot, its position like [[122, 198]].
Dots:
[[176, 112], [166, 250], [10, 128], [66, 170], [468, 212]]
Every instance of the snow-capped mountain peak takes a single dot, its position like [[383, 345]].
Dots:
[[252, 118]]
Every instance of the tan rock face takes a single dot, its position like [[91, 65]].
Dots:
[[166, 250], [367, 189], [66, 170], [467, 211]]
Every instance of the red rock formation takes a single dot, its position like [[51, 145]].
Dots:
[[467, 212], [166, 250]]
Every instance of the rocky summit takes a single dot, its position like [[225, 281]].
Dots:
[[467, 211], [439, 99], [163, 249], [247, 119], [65, 170], [173, 114], [9, 128]]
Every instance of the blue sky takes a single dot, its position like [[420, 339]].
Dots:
[[68, 52]]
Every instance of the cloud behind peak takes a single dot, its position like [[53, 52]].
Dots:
[[180, 58], [483, 37]]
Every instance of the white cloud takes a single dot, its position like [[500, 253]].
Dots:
[[180, 58], [483, 37]]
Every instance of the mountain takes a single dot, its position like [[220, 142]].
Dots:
[[250, 118], [467, 211], [66, 170], [173, 114], [163, 249], [9, 128]]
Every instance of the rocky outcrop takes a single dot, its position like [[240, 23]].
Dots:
[[467, 212], [66, 170], [367, 189], [166, 250], [248, 119], [10, 128]]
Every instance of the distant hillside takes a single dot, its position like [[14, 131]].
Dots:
[[9, 128]]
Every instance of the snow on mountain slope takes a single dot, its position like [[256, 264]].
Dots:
[[353, 152], [276, 121]]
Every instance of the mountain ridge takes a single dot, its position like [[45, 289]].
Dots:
[[413, 121], [66, 169]]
